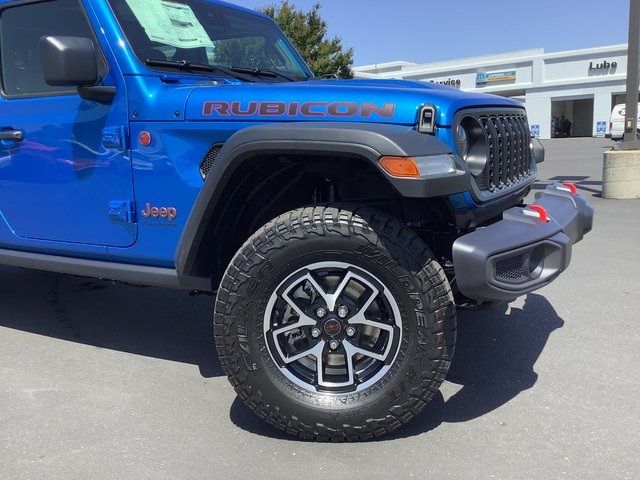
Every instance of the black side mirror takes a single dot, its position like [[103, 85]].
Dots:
[[69, 61]]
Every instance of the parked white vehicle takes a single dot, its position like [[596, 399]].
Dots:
[[616, 125]]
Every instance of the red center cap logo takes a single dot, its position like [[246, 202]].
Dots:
[[332, 327]]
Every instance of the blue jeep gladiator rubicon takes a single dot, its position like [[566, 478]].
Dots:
[[186, 144]]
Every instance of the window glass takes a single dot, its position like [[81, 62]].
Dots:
[[202, 32], [21, 28]]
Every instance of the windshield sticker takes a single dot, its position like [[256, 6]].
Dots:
[[170, 23]]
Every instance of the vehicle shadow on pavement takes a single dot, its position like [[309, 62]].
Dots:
[[584, 185], [152, 322], [494, 359]]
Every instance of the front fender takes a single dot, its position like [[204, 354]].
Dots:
[[367, 141]]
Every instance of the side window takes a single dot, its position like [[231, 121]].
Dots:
[[21, 28]]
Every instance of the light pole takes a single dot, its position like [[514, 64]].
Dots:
[[621, 166], [631, 141]]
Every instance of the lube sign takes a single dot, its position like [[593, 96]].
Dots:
[[604, 66]]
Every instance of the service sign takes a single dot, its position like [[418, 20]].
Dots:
[[449, 82]]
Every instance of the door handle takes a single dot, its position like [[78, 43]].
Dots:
[[12, 135]]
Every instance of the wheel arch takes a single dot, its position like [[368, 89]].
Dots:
[[255, 159]]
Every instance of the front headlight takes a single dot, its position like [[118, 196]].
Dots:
[[472, 145]]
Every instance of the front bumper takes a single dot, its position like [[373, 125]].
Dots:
[[522, 252]]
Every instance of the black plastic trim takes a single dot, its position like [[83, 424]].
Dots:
[[475, 254], [98, 93], [364, 141], [133, 274], [538, 150]]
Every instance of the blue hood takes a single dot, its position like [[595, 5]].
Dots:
[[378, 101]]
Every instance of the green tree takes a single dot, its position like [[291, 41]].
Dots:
[[308, 32]]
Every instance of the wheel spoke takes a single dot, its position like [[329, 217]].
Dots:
[[371, 299], [330, 298], [353, 350], [294, 307], [350, 373], [360, 319], [303, 322], [303, 319], [316, 351]]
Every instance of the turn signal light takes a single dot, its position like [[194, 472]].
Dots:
[[418, 167], [401, 166]]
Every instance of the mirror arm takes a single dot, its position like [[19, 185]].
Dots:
[[99, 94]]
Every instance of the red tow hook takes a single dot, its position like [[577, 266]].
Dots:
[[572, 188], [537, 211]]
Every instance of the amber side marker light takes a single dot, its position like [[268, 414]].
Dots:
[[401, 166], [145, 138], [418, 167]]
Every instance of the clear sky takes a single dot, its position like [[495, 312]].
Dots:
[[432, 30]]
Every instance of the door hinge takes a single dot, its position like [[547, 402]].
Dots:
[[115, 138], [122, 210]]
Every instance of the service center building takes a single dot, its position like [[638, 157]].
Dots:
[[567, 94]]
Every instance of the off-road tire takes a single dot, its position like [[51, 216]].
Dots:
[[376, 243]]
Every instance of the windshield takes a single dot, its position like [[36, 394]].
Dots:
[[201, 33]]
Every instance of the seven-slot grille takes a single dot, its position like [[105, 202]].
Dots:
[[510, 156]]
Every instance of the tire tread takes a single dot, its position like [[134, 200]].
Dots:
[[379, 230]]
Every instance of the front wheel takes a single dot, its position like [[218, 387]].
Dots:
[[335, 323]]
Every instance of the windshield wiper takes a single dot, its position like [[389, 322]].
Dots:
[[260, 72], [194, 67]]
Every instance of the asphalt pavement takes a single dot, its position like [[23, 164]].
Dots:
[[102, 381]]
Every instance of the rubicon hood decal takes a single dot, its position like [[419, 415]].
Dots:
[[369, 101], [296, 109]]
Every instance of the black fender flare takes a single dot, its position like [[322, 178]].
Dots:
[[368, 141]]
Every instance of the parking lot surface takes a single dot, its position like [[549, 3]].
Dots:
[[101, 381]]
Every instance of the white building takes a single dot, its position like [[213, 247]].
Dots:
[[580, 86]]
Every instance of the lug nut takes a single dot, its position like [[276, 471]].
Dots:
[[343, 312], [334, 344], [351, 331], [315, 332], [321, 312]]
